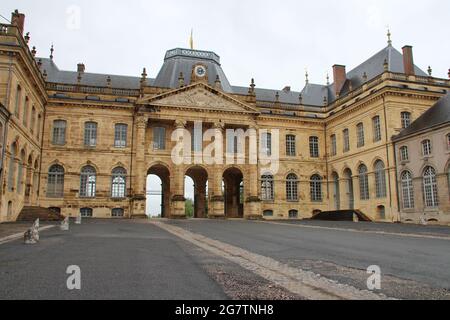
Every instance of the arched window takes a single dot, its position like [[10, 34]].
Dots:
[[119, 183], [88, 182], [90, 134], [316, 188], [117, 213], [267, 191], [360, 135], [120, 135], [293, 214], [406, 119], [363, 183], [380, 179], [12, 167], [346, 140], [407, 190], [426, 148], [86, 212], [59, 132], [376, 122], [18, 101], [55, 183], [314, 147], [292, 187], [430, 187], [20, 172], [404, 154], [290, 145]]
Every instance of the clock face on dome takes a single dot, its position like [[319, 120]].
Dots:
[[200, 71]]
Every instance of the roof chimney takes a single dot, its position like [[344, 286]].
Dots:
[[408, 61], [18, 20], [81, 68], [340, 76]]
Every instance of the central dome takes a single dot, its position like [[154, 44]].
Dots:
[[179, 60]]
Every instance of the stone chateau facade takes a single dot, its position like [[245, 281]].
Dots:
[[84, 143]]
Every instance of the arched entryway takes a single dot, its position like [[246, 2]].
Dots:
[[198, 194], [348, 176], [233, 184], [158, 191]]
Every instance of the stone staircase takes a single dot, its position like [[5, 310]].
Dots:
[[341, 215], [44, 214]]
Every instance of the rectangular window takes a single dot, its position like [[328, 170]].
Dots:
[[314, 147], [59, 132], [18, 101], [26, 109], [406, 119], [346, 137], [376, 129], [360, 137], [266, 143], [120, 135], [333, 145], [290, 146], [90, 134], [404, 155], [159, 138]]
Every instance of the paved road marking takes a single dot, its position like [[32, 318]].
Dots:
[[298, 281], [18, 236], [408, 235]]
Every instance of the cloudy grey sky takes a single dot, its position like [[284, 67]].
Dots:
[[272, 41]]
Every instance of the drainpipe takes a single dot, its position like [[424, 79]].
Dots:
[[387, 154]]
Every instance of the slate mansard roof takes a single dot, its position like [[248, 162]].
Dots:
[[438, 114], [182, 60]]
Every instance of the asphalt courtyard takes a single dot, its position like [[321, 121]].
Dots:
[[233, 259]]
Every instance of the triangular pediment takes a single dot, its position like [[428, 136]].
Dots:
[[198, 96]]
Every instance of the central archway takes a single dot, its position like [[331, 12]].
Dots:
[[233, 183], [163, 173], [199, 176]]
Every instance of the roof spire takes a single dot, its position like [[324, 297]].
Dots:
[[328, 79], [51, 52], [430, 71], [306, 76], [389, 36], [191, 40]]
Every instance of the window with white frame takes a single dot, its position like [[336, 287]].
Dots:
[[117, 213], [404, 154], [266, 143], [346, 140], [55, 182], [407, 190], [376, 121], [316, 188], [292, 187], [430, 188], [159, 138], [119, 183], [290, 145], [59, 132], [90, 134], [314, 147], [120, 135], [333, 145], [86, 212], [406, 119], [267, 188], [360, 135], [380, 179], [426, 148], [363, 183], [88, 182], [293, 214]]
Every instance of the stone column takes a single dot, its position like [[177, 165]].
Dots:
[[178, 209], [139, 170], [216, 198], [252, 207]]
